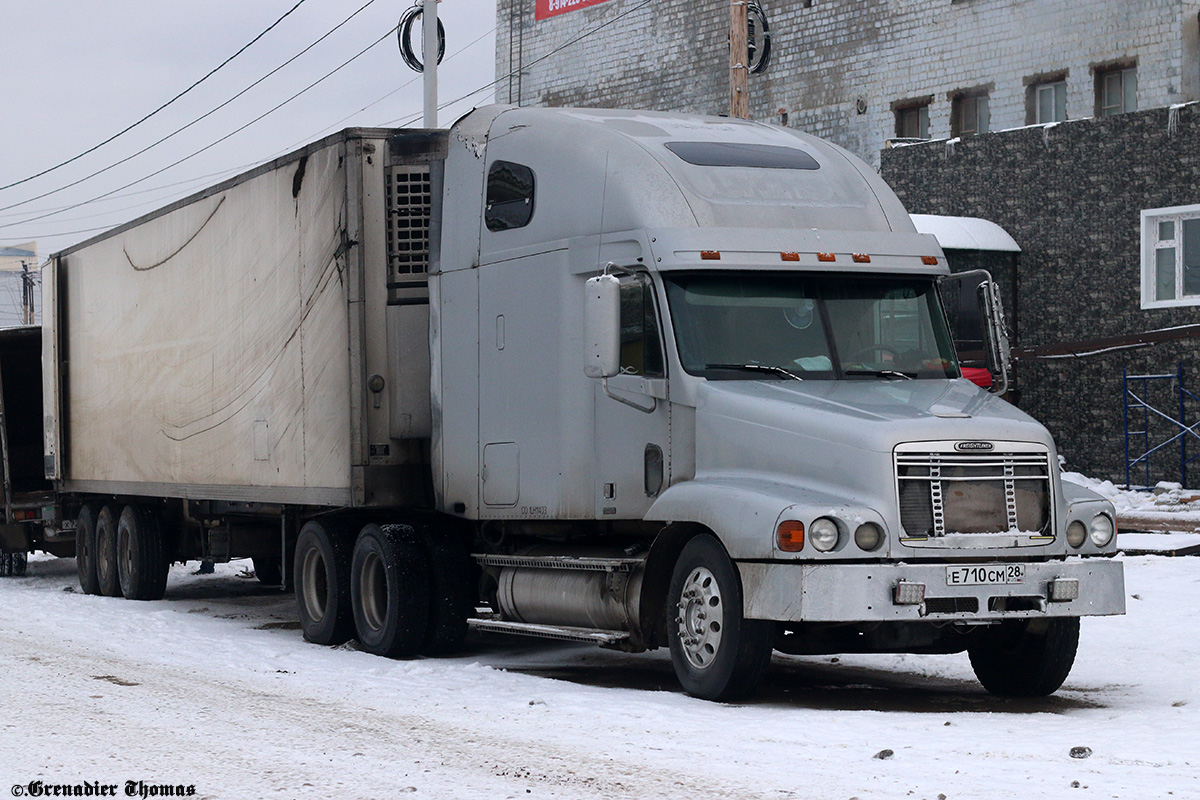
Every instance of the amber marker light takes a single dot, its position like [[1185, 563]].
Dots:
[[790, 535], [929, 261], [710, 255], [826, 257], [789, 256], [861, 258]]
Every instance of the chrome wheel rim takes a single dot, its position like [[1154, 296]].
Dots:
[[700, 618]]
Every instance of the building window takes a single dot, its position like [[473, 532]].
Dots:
[[912, 122], [969, 114], [1049, 101], [1116, 91], [1171, 257]]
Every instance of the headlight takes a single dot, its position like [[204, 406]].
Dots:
[[1102, 530], [1076, 534], [823, 534], [868, 536]]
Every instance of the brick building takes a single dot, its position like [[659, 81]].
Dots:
[[860, 73], [1073, 124], [1107, 214]]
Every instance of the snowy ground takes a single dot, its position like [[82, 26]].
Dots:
[[214, 687]]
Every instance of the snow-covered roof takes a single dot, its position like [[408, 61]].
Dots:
[[966, 233]]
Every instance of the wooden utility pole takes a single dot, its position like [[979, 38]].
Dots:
[[739, 55]]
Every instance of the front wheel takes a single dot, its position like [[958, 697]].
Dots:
[[1025, 658], [717, 653]]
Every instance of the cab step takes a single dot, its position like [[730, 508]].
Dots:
[[562, 633], [589, 564]]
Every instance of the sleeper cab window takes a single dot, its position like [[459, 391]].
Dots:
[[509, 196]]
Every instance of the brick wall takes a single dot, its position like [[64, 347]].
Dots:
[[839, 67], [1071, 195]]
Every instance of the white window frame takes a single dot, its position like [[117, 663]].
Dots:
[[1127, 78], [1151, 244], [1053, 87]]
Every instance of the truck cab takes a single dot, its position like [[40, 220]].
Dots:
[[720, 348]]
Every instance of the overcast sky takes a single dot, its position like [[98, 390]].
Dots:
[[75, 72]]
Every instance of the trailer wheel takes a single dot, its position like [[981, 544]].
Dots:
[[451, 597], [85, 550], [6, 564], [142, 564], [268, 570], [20, 562], [107, 575], [717, 653], [321, 577], [390, 590], [1025, 658]]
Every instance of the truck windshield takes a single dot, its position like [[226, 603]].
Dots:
[[787, 326]]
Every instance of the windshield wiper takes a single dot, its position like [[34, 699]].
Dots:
[[882, 373], [757, 368]]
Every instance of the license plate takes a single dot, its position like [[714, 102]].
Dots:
[[985, 574]]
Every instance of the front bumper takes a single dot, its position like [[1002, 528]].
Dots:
[[797, 592]]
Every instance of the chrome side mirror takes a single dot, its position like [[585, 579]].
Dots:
[[602, 327]]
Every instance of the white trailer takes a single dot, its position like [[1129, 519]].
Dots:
[[633, 378]]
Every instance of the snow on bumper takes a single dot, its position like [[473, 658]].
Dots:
[[867, 592]]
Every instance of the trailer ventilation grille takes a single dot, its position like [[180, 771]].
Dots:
[[409, 200], [957, 493]]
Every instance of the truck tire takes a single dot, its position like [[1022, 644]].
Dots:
[[390, 590], [5, 564], [268, 570], [451, 599], [20, 562], [717, 653], [321, 577], [107, 577], [1025, 658], [142, 564], [85, 550]]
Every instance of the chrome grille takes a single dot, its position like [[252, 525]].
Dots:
[[945, 493]]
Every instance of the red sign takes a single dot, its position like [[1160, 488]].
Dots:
[[552, 8]]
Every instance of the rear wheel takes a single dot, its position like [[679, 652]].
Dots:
[[107, 577], [321, 577], [142, 564], [389, 590], [1025, 658], [717, 653], [85, 550], [451, 597], [20, 561], [6, 564]]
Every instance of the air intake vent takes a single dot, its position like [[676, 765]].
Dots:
[[409, 200]]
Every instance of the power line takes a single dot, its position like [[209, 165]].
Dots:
[[197, 179], [211, 72], [235, 170], [202, 117], [538, 60], [207, 147], [374, 103]]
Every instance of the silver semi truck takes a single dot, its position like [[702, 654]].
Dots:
[[639, 379]]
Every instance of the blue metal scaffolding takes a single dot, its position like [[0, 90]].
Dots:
[[1139, 411]]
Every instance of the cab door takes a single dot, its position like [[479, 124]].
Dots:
[[632, 412]]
